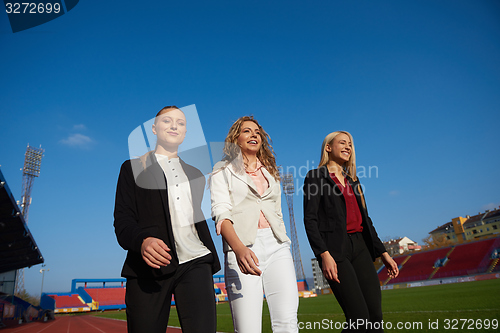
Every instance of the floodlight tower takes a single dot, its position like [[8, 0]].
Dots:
[[289, 189], [31, 169]]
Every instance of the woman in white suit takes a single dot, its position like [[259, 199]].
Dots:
[[246, 206]]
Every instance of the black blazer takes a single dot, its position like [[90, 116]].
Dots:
[[141, 211], [325, 216]]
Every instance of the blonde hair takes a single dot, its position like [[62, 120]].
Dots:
[[265, 154], [166, 109], [349, 166]]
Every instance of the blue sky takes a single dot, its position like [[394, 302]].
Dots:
[[416, 82]]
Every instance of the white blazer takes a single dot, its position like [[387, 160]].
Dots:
[[234, 196]]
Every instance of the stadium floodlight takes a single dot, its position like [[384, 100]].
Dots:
[[31, 169]]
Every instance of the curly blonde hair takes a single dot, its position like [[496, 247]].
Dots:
[[266, 153]]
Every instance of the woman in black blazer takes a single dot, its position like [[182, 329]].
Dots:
[[159, 221], [342, 236]]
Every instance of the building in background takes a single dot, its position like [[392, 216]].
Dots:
[[320, 282], [467, 228], [401, 245]]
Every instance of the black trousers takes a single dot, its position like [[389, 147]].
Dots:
[[358, 292], [148, 301]]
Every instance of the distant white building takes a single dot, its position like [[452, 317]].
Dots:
[[400, 245], [320, 281]]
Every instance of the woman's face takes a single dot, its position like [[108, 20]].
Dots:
[[249, 139], [340, 149], [170, 128]]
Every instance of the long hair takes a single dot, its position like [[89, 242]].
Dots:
[[166, 109], [265, 154], [349, 166]]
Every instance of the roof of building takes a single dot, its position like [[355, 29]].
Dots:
[[471, 220], [474, 219], [444, 227], [481, 217], [393, 241], [399, 241], [17, 245], [492, 214]]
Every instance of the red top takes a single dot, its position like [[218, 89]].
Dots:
[[353, 217]]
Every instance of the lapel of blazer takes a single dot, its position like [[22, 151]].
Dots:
[[271, 181], [358, 193], [189, 175], [323, 171], [325, 174], [244, 177], [157, 172]]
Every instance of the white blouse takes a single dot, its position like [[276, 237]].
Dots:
[[180, 203]]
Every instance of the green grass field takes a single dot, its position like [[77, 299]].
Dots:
[[459, 307]]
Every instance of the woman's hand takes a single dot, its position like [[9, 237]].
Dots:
[[155, 252], [390, 264], [247, 260], [329, 267]]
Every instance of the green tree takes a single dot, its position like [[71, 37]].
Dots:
[[25, 296]]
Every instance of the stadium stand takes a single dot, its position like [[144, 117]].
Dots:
[[465, 259], [494, 267], [220, 294], [108, 297], [220, 288], [494, 259], [14, 310], [103, 294], [419, 266], [68, 303], [382, 271], [18, 249]]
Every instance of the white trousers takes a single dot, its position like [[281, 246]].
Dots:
[[277, 282]]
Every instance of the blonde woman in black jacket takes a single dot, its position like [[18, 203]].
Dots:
[[342, 236]]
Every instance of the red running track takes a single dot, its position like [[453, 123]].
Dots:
[[76, 324]]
